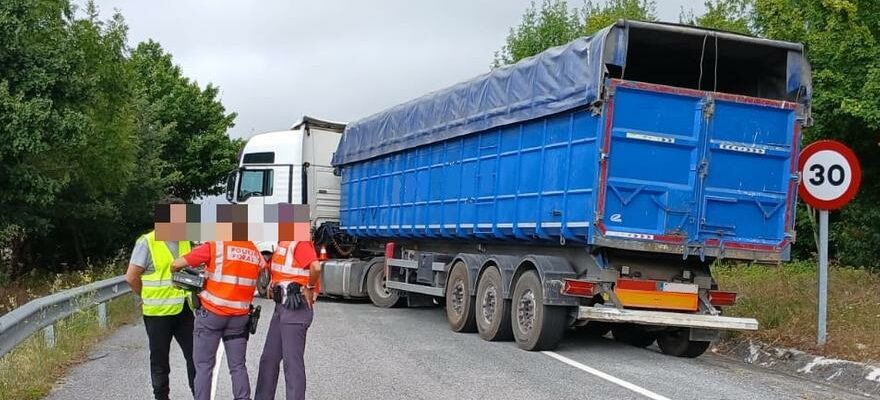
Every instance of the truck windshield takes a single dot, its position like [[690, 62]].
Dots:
[[254, 182]]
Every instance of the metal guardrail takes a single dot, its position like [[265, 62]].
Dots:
[[21, 323]]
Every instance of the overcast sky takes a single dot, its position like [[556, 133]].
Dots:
[[340, 60]]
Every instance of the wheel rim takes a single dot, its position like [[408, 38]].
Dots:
[[380, 286], [525, 311], [489, 304], [458, 297]]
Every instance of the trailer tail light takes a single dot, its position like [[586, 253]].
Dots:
[[389, 254], [389, 250], [573, 287], [717, 298]]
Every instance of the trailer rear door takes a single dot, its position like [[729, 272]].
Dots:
[[696, 169]]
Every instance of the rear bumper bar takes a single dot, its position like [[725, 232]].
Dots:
[[663, 318]]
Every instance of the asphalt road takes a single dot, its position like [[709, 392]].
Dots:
[[357, 351]]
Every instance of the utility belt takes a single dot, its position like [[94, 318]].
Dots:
[[289, 295]]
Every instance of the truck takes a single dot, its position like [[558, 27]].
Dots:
[[591, 187], [293, 166]]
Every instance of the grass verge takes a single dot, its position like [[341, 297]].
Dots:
[[15, 293], [784, 300], [31, 369]]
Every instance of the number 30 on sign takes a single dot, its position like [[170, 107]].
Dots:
[[830, 175]]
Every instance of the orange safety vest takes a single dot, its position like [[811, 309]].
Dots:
[[285, 267], [232, 277]]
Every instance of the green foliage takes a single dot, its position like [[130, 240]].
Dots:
[[725, 15], [195, 141], [554, 24], [598, 15], [93, 133]]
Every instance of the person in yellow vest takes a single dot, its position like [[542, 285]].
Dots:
[[167, 312]]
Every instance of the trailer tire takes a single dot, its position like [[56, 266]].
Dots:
[[535, 326], [492, 309], [677, 343], [379, 294], [633, 335], [460, 310]]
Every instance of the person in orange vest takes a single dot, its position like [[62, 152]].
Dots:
[[294, 286], [232, 270]]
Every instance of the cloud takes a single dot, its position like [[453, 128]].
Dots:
[[277, 60]]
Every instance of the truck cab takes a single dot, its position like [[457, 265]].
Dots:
[[291, 166]]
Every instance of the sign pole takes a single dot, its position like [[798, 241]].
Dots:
[[829, 177], [823, 277]]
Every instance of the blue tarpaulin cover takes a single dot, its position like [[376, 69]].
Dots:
[[553, 81], [556, 80]]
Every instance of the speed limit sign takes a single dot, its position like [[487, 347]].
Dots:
[[830, 175]]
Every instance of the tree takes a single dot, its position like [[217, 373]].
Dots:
[[725, 15], [92, 134], [195, 145], [599, 15], [554, 24]]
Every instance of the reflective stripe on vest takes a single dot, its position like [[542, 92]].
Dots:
[[158, 294], [241, 305], [163, 302], [232, 278], [284, 265], [159, 283]]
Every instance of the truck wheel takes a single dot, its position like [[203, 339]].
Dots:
[[459, 302], [677, 343], [379, 294], [535, 326], [493, 311], [633, 335]]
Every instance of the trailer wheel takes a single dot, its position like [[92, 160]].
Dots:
[[379, 294], [535, 325], [677, 343], [459, 302], [493, 311], [633, 335]]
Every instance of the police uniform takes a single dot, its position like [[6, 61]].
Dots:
[[166, 314], [232, 270], [286, 338]]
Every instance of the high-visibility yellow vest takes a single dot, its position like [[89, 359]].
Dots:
[[159, 295]]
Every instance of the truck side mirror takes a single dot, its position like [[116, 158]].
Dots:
[[230, 185]]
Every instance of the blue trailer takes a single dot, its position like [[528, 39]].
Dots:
[[591, 185]]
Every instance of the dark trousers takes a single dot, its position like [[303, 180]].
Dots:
[[160, 330], [233, 331], [285, 344]]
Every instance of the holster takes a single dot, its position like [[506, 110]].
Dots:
[[254, 318], [294, 299]]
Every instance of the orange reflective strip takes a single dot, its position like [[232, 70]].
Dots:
[[657, 300]]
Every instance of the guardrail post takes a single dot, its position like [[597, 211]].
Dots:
[[49, 336], [102, 315]]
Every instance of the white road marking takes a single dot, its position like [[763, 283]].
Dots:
[[617, 381], [218, 360]]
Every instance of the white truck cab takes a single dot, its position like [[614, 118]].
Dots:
[[291, 166]]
